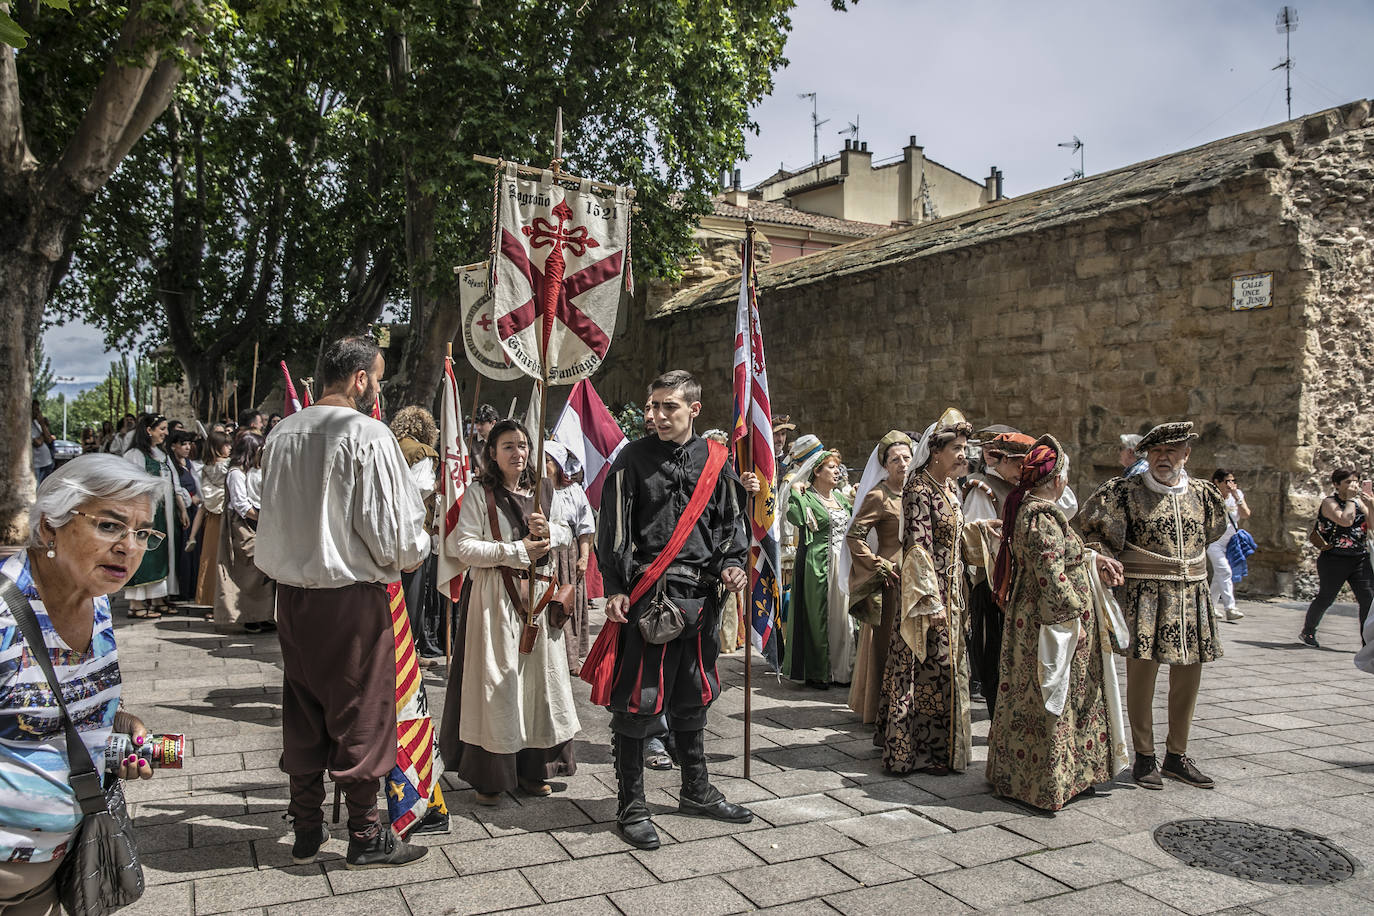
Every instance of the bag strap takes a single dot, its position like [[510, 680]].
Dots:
[[512, 592], [81, 773], [706, 485]]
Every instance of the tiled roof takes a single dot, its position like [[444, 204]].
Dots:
[[1143, 184], [781, 215]]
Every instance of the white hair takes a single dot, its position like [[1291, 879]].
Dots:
[[92, 476]]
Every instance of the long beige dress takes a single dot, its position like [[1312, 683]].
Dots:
[[872, 601], [244, 593]]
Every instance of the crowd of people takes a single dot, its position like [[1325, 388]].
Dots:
[[960, 568]]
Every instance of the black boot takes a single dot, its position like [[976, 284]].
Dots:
[[631, 813], [698, 797]]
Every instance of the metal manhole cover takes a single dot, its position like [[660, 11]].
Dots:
[[1257, 852]]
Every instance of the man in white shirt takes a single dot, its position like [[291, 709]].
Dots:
[[340, 518]]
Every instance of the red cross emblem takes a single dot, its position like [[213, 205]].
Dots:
[[552, 291]]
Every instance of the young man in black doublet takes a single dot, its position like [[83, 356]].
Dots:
[[658, 688]]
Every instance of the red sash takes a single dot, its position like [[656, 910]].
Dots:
[[598, 669]]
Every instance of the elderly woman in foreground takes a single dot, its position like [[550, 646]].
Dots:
[[90, 526]]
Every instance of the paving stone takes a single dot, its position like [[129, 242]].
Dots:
[[780, 812], [980, 846], [969, 811], [1086, 865], [995, 884], [165, 899], [1195, 890], [386, 900], [433, 867], [866, 868], [801, 782], [550, 814], [714, 856], [1326, 901], [188, 864], [485, 893], [782, 844], [972, 781], [884, 796], [235, 893], [587, 877], [887, 827], [685, 829], [1067, 828], [504, 852], [705, 896], [802, 879], [1116, 899], [582, 906], [913, 896]]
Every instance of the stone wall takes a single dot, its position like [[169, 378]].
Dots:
[[1089, 322]]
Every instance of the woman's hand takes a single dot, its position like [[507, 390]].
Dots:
[[888, 571], [132, 767], [581, 568], [539, 525], [1111, 571], [995, 526], [535, 547]]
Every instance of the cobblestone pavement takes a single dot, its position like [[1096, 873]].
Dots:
[[1284, 729]]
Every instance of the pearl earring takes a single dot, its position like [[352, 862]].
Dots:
[[51, 553]]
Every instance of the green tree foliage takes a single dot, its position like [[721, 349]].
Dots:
[[90, 407], [40, 364], [317, 166]]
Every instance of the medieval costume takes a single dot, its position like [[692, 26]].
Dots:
[[571, 507], [212, 478], [667, 687], [1058, 726], [873, 542], [421, 596], [340, 520], [244, 596], [925, 687], [821, 526], [1160, 533], [509, 718], [156, 577], [985, 495]]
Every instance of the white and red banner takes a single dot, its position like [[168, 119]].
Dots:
[[479, 326], [292, 403], [559, 260], [589, 431], [454, 471]]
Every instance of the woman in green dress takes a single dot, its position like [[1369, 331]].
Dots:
[[821, 516]]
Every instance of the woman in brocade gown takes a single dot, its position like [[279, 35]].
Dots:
[[927, 724], [820, 515], [873, 571], [1038, 756]]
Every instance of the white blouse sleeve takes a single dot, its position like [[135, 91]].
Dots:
[[387, 512], [475, 544], [236, 492]]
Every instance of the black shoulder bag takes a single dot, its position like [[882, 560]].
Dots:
[[100, 872]]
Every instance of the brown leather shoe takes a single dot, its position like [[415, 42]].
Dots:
[[1182, 768], [1146, 772]]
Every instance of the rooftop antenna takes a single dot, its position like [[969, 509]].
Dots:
[[1287, 23], [816, 123], [1076, 146], [852, 129]]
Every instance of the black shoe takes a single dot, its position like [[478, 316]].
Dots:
[[434, 821], [308, 843], [1146, 772], [715, 807], [632, 814], [253, 629], [382, 850], [1181, 767], [638, 833], [1309, 639]]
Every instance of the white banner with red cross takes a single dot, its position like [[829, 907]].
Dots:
[[559, 261], [479, 327]]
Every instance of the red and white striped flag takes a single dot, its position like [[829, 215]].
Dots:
[[453, 480], [291, 402], [589, 431]]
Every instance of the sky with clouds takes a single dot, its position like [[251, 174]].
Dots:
[[996, 82]]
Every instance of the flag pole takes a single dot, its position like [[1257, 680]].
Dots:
[[253, 386], [747, 463], [448, 482]]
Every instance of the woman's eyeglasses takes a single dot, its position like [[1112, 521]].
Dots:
[[107, 529]]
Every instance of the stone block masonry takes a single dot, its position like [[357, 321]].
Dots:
[[1088, 310]]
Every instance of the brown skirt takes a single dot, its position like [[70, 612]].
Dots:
[[866, 687], [487, 772], [206, 577], [245, 595]]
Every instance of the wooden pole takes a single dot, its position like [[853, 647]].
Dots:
[[448, 482], [747, 463], [253, 385], [476, 402]]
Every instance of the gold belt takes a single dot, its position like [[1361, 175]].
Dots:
[[1140, 563]]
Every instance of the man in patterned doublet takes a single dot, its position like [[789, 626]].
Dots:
[[1158, 524]]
